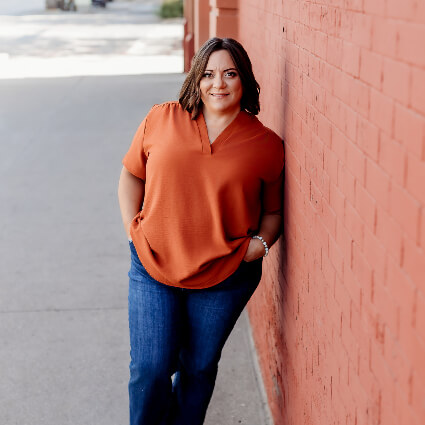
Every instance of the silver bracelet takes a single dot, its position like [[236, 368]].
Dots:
[[264, 243]]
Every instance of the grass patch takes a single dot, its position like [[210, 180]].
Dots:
[[171, 9]]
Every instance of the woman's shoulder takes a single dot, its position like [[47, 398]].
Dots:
[[170, 107], [264, 132]]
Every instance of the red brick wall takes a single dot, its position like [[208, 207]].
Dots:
[[339, 319]]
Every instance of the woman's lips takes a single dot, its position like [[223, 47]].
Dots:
[[219, 95]]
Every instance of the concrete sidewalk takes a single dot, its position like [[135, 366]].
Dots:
[[63, 255], [126, 38]]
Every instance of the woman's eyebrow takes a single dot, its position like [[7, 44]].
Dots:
[[228, 69]]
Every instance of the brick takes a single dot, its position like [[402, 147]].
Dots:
[[356, 294], [291, 9], [336, 256], [335, 21], [345, 27], [375, 252], [323, 183], [374, 7], [310, 165], [409, 129], [339, 144], [306, 138], [353, 5], [404, 411], [361, 268], [398, 363], [327, 77], [414, 262], [371, 66], [356, 162], [359, 97], [341, 86], [304, 37], [304, 12], [329, 274], [384, 36], [330, 165], [416, 178], [418, 396], [354, 224], [311, 117], [304, 61], [366, 206], [418, 90], [393, 158], [348, 121], [336, 201], [387, 416], [335, 51], [324, 130], [410, 43], [396, 80], [414, 350], [422, 227], [292, 53], [342, 297], [382, 111], [390, 233], [403, 292], [405, 210], [387, 308], [315, 16], [368, 138], [377, 183], [314, 68], [419, 315], [419, 10], [347, 183], [351, 59], [316, 197], [362, 30], [406, 10], [320, 44], [345, 242]]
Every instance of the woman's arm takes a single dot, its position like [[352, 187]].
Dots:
[[131, 191], [269, 231]]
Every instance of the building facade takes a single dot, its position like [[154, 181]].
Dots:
[[339, 318]]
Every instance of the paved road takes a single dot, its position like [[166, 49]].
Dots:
[[126, 38], [64, 257]]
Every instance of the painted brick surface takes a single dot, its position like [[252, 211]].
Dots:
[[339, 319]]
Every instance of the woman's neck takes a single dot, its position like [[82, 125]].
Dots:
[[219, 121]]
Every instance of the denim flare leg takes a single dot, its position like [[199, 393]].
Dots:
[[180, 332]]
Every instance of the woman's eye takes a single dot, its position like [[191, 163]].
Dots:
[[207, 75], [231, 74]]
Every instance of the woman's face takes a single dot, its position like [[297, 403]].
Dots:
[[221, 86]]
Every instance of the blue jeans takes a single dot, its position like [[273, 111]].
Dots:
[[180, 332]]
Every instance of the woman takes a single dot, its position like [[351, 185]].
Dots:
[[208, 175]]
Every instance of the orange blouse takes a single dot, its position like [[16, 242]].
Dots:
[[202, 201]]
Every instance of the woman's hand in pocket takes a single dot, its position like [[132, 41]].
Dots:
[[255, 250]]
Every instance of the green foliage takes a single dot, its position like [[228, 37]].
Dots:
[[171, 9]]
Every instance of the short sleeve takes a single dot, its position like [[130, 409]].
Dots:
[[135, 159]]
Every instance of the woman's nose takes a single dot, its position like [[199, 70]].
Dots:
[[219, 81]]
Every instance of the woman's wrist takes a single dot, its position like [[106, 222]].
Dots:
[[266, 247]]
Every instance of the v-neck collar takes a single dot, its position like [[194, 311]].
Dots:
[[210, 148]]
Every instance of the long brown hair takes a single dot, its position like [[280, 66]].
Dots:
[[190, 94]]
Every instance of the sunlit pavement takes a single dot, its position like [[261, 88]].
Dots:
[[63, 253], [125, 38]]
